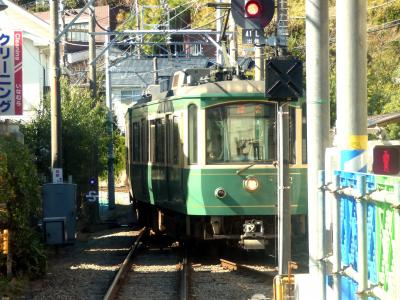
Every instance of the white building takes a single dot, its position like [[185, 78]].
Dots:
[[35, 55]]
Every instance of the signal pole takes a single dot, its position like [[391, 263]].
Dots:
[[284, 189]]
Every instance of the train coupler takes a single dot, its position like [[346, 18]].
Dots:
[[253, 235]]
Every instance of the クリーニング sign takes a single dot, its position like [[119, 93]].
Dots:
[[11, 73]]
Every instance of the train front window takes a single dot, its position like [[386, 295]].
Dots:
[[242, 132]]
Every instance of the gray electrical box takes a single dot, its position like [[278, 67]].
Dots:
[[55, 230], [59, 212]]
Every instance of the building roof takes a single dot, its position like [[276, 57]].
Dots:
[[383, 119], [138, 72], [17, 18], [102, 14]]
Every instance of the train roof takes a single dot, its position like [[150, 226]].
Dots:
[[222, 89], [231, 88]]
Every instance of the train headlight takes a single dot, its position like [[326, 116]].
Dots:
[[251, 183], [220, 193]]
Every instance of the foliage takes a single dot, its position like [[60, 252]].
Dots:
[[383, 73], [183, 14], [19, 189], [84, 136]]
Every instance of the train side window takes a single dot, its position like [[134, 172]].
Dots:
[[152, 140], [169, 139], [160, 141], [176, 140], [144, 139], [192, 138], [292, 135], [304, 132], [136, 141]]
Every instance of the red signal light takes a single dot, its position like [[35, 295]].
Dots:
[[253, 8], [386, 160]]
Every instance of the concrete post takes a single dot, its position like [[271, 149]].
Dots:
[[92, 53], [351, 83], [55, 97], [317, 67], [219, 21], [111, 185], [351, 79], [259, 62]]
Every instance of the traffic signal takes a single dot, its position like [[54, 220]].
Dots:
[[252, 14], [386, 160]]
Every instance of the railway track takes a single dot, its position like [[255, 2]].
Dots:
[[151, 272]]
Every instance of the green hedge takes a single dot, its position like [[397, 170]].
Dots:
[[20, 191]]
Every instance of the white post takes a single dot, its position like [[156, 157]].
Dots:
[[111, 187], [351, 82], [317, 66]]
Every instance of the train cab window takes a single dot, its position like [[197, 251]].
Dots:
[[192, 127], [136, 142], [241, 133]]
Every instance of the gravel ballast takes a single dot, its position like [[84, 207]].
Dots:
[[85, 269]]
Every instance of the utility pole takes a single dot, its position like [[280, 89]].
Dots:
[[284, 189], [111, 185], [137, 15], [317, 66], [259, 62], [351, 82], [92, 53], [233, 52], [55, 98], [219, 22]]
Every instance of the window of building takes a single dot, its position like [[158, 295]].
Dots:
[[78, 32], [129, 95], [197, 49], [192, 119]]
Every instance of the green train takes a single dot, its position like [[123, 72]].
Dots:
[[201, 159]]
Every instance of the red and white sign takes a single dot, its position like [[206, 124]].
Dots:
[[11, 73]]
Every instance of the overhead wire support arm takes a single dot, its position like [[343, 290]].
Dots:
[[70, 24], [160, 32], [205, 32]]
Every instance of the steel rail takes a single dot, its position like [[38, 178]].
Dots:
[[184, 277], [116, 284]]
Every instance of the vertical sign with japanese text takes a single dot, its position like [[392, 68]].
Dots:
[[11, 73]]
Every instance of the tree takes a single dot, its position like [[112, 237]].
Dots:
[[84, 129], [19, 190]]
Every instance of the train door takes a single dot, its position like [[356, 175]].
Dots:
[[174, 161]]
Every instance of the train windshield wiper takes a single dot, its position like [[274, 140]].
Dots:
[[244, 168]]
